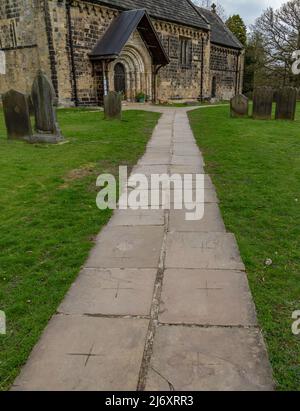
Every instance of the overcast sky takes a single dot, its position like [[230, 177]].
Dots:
[[249, 9]]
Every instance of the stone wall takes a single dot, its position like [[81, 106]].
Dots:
[[58, 35], [23, 39], [175, 81], [88, 22], [227, 69]]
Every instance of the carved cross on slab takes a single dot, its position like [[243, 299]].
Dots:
[[198, 364], [88, 355], [208, 289], [118, 288]]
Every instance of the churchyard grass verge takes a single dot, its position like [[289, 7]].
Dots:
[[255, 166], [49, 217]]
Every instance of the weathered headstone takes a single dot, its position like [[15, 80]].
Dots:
[[262, 103], [239, 106], [44, 103], [113, 106], [16, 115], [286, 103]]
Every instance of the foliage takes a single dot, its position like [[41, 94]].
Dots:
[[279, 31], [237, 26]]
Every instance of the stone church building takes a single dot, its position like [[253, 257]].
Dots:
[[167, 49]]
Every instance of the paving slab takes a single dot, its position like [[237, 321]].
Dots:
[[169, 199], [206, 297], [186, 169], [209, 359], [202, 182], [129, 218], [79, 353], [148, 170], [186, 160], [211, 222], [155, 158], [203, 250], [111, 292], [127, 247], [177, 181]]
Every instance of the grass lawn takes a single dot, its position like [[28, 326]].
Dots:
[[48, 217], [255, 166]]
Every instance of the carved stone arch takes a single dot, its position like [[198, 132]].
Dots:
[[138, 67]]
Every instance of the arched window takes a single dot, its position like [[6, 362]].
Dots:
[[214, 87], [120, 83]]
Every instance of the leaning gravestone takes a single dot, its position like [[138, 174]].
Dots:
[[113, 106], [262, 103], [16, 114], [239, 106], [286, 103], [44, 105]]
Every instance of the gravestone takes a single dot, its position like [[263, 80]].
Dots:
[[286, 103], [113, 106], [44, 106], [239, 106], [16, 115], [262, 103]]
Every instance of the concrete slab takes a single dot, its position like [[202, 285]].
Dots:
[[203, 250], [209, 359], [176, 179], [211, 222], [186, 160], [170, 199], [129, 218], [111, 292], [186, 151], [108, 358], [206, 297], [127, 247], [155, 158], [207, 183], [186, 169], [147, 170]]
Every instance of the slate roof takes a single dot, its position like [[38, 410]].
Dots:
[[179, 11], [220, 34], [119, 32]]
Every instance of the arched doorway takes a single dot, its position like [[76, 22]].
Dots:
[[214, 87], [119, 78]]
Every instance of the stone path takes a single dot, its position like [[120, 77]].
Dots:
[[161, 304]]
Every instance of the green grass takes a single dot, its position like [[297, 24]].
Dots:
[[255, 166], [48, 218]]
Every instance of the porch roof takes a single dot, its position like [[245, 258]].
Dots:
[[117, 35]]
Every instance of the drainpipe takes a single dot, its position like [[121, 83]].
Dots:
[[52, 59], [71, 46], [155, 73], [105, 82], [237, 73], [202, 71]]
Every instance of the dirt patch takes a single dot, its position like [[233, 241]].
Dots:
[[79, 173]]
